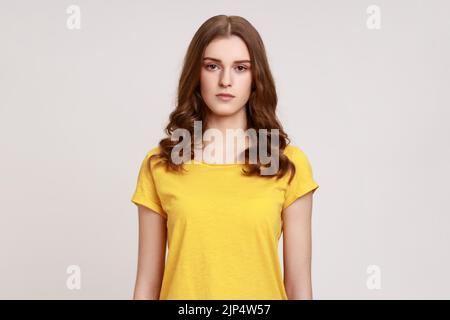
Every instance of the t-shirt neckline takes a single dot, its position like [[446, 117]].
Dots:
[[218, 165]]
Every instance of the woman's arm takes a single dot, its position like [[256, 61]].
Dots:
[[297, 248], [151, 255]]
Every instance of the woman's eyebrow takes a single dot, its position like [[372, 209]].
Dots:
[[218, 60]]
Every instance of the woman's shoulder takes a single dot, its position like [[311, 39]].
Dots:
[[150, 152], [296, 154], [293, 150], [153, 150]]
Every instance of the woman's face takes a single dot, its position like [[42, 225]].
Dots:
[[226, 69]]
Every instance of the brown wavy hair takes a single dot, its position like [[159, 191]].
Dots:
[[260, 107]]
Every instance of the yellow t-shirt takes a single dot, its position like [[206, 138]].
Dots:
[[223, 228]]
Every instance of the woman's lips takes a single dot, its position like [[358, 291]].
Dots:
[[224, 97]]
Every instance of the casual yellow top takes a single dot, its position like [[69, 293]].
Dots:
[[223, 228]]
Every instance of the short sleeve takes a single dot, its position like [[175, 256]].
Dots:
[[145, 193], [303, 180]]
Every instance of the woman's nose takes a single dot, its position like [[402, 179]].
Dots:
[[225, 80]]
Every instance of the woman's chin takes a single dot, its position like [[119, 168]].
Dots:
[[224, 110]]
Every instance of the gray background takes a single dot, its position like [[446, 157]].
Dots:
[[79, 109]]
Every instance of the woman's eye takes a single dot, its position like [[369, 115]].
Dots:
[[212, 66], [209, 65]]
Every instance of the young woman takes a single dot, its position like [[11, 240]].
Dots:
[[223, 219]]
